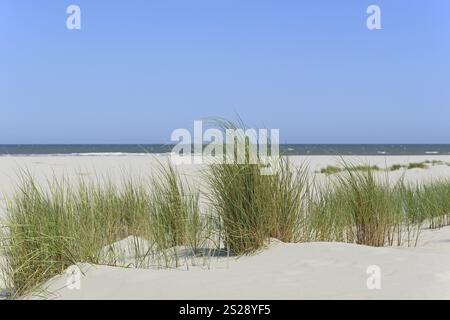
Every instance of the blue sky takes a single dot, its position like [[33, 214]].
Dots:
[[139, 69]]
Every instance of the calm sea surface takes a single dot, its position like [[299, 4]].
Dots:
[[288, 149]]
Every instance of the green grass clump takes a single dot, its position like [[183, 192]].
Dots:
[[372, 207], [355, 208], [432, 203], [48, 229], [253, 207], [330, 170], [435, 162], [289, 192], [174, 208], [396, 167], [366, 168], [327, 218], [239, 195], [417, 165]]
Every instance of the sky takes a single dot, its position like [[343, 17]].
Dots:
[[137, 70]]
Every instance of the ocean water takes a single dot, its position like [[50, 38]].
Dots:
[[287, 149]]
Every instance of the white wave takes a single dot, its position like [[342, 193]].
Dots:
[[96, 154], [86, 154]]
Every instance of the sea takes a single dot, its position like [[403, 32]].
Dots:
[[285, 149]]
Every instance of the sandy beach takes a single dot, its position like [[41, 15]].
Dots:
[[316, 270], [142, 166]]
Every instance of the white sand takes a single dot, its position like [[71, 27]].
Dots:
[[283, 271]]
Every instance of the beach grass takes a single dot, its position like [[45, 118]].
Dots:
[[430, 203], [174, 209], [252, 207], [51, 227], [395, 167], [369, 204], [356, 207], [48, 229], [238, 197], [290, 192], [329, 170], [417, 165]]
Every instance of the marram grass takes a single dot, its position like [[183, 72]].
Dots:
[[370, 205], [253, 207], [174, 209], [50, 227]]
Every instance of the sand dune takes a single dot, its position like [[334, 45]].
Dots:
[[282, 271]]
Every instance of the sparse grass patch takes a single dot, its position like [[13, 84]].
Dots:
[[330, 170], [174, 209], [434, 162], [396, 167], [417, 165], [366, 168]]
